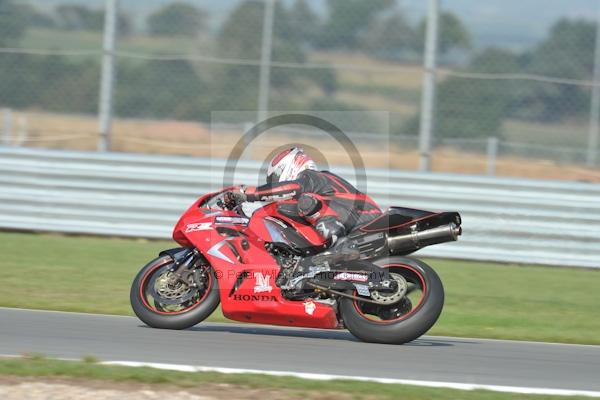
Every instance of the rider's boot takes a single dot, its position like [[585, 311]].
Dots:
[[343, 250]]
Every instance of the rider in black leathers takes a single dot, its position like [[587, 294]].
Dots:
[[330, 203]]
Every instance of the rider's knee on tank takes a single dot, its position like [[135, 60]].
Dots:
[[331, 228], [312, 208]]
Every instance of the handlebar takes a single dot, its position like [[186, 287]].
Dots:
[[218, 200]]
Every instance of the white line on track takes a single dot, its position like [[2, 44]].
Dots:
[[328, 377]]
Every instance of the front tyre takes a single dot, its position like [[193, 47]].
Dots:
[[179, 305], [405, 320]]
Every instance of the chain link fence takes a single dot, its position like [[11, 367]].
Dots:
[[528, 85]]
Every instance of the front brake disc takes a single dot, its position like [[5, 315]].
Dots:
[[166, 292]]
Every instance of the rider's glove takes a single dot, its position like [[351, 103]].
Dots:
[[235, 196]]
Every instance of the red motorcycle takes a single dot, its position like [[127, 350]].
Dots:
[[273, 268]]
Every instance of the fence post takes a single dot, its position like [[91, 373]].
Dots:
[[105, 106], [594, 128], [595, 103], [492, 155], [429, 78], [7, 126], [265, 61]]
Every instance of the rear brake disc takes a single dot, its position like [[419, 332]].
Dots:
[[391, 297]]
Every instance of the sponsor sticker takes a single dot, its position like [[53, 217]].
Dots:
[[351, 276], [263, 283], [201, 226], [276, 197], [254, 297], [362, 290], [232, 220], [309, 307]]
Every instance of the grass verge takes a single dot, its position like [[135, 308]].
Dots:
[[90, 274], [288, 387]]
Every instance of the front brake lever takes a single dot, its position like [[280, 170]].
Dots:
[[221, 204], [231, 206]]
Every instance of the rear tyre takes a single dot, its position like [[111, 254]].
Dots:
[[197, 303], [405, 320]]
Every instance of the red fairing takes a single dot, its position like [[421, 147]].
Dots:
[[270, 213], [245, 270]]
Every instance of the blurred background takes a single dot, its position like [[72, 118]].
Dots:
[[515, 92], [117, 114]]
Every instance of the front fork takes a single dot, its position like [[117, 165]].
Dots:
[[183, 259]]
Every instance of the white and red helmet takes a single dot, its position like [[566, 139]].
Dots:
[[287, 165]]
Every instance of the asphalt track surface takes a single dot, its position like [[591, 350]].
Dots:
[[444, 359]]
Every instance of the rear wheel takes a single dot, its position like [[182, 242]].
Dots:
[[415, 309], [161, 300]]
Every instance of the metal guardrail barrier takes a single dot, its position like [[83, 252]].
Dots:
[[505, 220]]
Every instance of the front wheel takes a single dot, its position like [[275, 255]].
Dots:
[[400, 320], [161, 301]]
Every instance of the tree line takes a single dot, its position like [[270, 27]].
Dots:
[[157, 89], [476, 108], [182, 89]]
